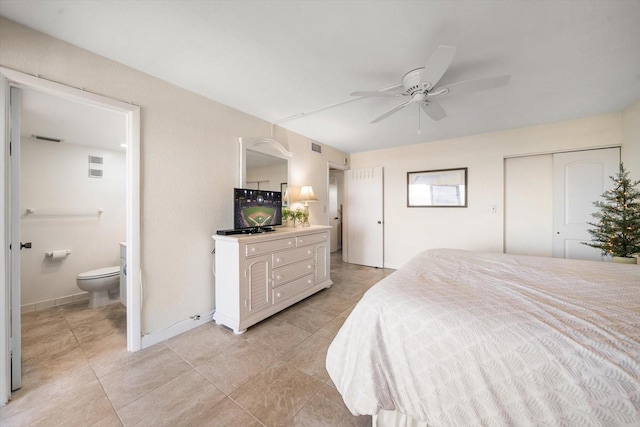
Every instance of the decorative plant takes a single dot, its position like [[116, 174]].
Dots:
[[288, 215], [302, 216], [617, 230]]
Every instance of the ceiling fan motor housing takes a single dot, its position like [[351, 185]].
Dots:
[[411, 81]]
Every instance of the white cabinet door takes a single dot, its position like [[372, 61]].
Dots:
[[322, 263], [258, 280], [579, 179]]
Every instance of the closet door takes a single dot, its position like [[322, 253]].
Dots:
[[528, 210], [579, 179]]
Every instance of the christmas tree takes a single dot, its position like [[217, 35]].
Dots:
[[617, 230]]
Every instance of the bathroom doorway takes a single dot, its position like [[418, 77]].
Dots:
[[12, 84]]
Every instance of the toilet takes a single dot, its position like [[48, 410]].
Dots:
[[102, 284]]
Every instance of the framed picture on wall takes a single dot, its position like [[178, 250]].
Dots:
[[285, 194], [437, 188]]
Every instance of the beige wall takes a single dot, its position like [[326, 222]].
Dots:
[[189, 162], [631, 140], [410, 230]]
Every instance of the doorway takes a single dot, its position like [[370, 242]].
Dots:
[[336, 197], [336, 185], [13, 81]]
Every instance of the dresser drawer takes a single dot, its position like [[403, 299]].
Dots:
[[292, 288], [292, 271], [290, 256], [312, 239], [269, 246]]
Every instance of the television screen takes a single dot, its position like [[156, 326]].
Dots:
[[256, 208]]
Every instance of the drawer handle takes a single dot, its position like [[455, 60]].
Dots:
[[278, 295], [290, 243], [277, 259], [309, 267], [278, 277], [253, 249]]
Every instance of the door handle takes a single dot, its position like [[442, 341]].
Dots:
[[25, 245], [379, 222]]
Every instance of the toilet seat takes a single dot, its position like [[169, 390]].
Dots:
[[99, 273]]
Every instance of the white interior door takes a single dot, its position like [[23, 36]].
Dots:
[[579, 179], [16, 246], [364, 216]]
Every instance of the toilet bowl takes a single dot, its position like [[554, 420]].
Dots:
[[101, 284]]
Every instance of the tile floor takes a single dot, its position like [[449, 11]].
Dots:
[[77, 372]]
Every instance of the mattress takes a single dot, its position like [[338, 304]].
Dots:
[[470, 338]]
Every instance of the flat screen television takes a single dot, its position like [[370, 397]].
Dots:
[[257, 210]]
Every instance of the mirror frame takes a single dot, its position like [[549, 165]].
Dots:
[[267, 146]]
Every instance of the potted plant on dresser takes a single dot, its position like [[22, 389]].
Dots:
[[617, 229]]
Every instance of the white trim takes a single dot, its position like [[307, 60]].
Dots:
[[566, 150], [261, 145], [5, 282], [9, 78], [175, 330]]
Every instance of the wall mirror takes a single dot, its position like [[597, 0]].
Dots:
[[437, 188], [264, 165]]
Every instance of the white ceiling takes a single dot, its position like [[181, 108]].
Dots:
[[73, 122], [276, 59]]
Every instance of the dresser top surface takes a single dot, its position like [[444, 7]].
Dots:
[[280, 232]]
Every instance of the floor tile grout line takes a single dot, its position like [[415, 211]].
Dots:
[[245, 410]]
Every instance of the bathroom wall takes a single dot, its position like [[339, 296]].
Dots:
[[55, 183]]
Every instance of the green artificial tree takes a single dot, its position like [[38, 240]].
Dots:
[[617, 230]]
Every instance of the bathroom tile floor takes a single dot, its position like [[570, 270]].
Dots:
[[77, 371]]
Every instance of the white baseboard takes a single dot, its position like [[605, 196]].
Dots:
[[41, 305], [178, 328]]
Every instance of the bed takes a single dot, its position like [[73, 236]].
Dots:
[[457, 338]]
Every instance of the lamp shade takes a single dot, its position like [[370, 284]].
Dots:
[[306, 194]]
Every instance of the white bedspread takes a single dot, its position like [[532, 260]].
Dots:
[[466, 338]]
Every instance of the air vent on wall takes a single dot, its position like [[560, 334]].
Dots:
[[95, 167], [46, 138], [316, 147]]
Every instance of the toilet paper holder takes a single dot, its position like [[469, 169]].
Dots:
[[58, 254]]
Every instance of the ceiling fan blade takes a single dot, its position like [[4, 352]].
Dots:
[[437, 65], [473, 85], [392, 111], [376, 93], [433, 110]]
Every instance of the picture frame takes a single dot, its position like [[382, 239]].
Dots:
[[285, 194], [441, 188]]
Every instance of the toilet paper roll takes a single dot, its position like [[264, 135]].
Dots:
[[56, 255]]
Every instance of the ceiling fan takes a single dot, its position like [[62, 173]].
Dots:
[[420, 86]]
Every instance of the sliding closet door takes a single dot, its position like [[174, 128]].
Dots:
[[528, 211]]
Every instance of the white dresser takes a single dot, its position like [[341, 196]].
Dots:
[[259, 275]]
